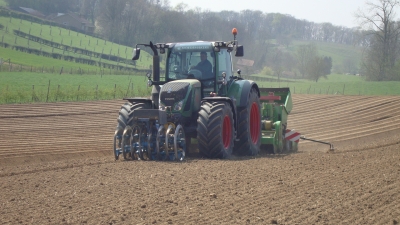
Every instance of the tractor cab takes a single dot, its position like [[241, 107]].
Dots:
[[204, 61]]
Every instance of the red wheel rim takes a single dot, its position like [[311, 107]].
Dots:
[[255, 123], [227, 132]]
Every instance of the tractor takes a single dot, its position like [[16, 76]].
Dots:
[[217, 107]]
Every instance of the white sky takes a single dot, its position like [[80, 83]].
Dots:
[[337, 12]]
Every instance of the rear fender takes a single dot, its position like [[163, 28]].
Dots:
[[247, 85], [231, 102]]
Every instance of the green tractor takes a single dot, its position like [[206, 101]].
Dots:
[[210, 103]]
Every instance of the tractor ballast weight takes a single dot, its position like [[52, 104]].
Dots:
[[215, 106]]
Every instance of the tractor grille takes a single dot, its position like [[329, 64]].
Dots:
[[173, 92]]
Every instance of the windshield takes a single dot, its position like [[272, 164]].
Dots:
[[191, 62]]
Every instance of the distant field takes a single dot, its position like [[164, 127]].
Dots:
[[34, 87], [3, 3]]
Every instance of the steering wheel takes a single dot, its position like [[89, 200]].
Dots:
[[196, 73]]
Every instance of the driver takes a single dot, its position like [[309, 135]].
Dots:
[[204, 65]]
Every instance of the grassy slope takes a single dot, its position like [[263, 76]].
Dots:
[[65, 37]]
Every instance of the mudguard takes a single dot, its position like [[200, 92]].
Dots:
[[246, 86]]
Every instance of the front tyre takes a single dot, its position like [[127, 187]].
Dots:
[[215, 131], [249, 126]]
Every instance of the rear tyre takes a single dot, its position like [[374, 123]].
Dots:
[[249, 126], [215, 131]]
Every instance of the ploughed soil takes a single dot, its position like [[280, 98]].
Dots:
[[57, 167]]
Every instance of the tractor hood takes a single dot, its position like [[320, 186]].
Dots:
[[178, 95]]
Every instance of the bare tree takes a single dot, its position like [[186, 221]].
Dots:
[[111, 15], [305, 54], [379, 20], [277, 63], [88, 8], [319, 67], [349, 65]]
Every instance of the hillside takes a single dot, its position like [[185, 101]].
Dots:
[[32, 44], [338, 52]]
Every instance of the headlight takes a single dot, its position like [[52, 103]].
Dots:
[[178, 106]]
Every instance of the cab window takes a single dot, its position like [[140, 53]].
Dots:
[[224, 63]]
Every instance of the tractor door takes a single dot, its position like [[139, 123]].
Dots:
[[224, 64]]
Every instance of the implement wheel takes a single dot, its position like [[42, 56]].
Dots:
[[126, 143], [124, 119], [160, 143], [151, 143], [180, 145], [135, 143], [215, 131], [249, 126], [169, 143]]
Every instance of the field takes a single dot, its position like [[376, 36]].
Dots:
[[27, 87], [48, 87], [57, 167]]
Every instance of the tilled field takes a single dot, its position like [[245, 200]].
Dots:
[[57, 167]]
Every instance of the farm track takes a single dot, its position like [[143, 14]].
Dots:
[[56, 167]]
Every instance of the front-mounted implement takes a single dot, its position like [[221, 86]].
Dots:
[[151, 137]]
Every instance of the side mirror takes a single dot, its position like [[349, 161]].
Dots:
[[136, 54], [239, 51], [148, 75]]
